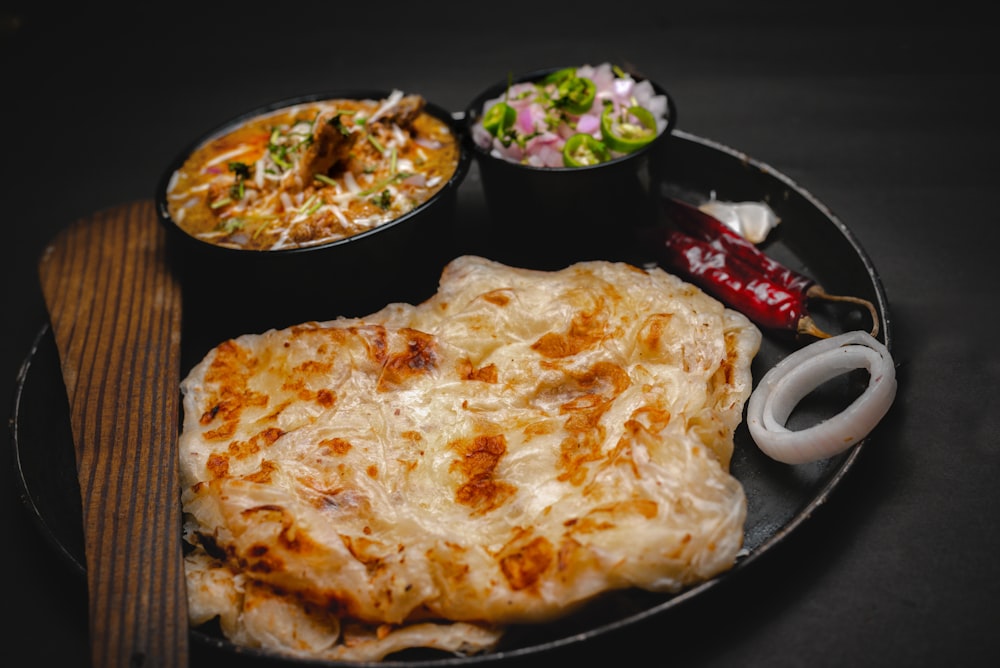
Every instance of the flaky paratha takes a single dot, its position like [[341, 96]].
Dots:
[[429, 474]]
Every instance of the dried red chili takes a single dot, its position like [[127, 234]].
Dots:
[[736, 272], [701, 225]]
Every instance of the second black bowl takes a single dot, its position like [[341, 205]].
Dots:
[[546, 217]]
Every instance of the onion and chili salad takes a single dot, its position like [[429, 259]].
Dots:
[[313, 173], [573, 117]]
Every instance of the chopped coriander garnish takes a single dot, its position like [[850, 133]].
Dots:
[[242, 172], [231, 225], [395, 178], [279, 154], [311, 206], [306, 141], [383, 199], [374, 142], [260, 228], [240, 169], [307, 204]]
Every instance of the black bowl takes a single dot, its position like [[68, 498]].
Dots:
[[546, 217], [229, 291]]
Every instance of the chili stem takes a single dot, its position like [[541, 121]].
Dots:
[[817, 292]]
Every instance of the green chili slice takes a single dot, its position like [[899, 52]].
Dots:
[[581, 150], [499, 118], [627, 130], [559, 76], [576, 94]]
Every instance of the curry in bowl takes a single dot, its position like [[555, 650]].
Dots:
[[313, 173]]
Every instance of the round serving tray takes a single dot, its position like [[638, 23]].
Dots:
[[810, 239]]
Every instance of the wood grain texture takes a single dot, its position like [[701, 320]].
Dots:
[[115, 311]]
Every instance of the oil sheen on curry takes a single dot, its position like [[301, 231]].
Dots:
[[313, 173]]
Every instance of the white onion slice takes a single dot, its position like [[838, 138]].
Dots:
[[793, 378]]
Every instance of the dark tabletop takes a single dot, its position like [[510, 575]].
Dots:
[[885, 118]]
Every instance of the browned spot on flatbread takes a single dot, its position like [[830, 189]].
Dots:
[[589, 395], [586, 329], [253, 445], [263, 474], [478, 458], [418, 357], [485, 374], [217, 465], [497, 297], [524, 565], [229, 371], [336, 446]]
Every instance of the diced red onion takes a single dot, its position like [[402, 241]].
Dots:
[[525, 120], [588, 123]]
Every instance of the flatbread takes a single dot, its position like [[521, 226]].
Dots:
[[502, 453]]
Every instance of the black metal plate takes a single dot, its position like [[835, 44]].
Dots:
[[810, 239]]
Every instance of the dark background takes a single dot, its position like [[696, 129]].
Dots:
[[886, 117]]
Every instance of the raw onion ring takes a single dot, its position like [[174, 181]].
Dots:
[[791, 379]]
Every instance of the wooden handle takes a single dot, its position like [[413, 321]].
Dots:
[[115, 311]]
